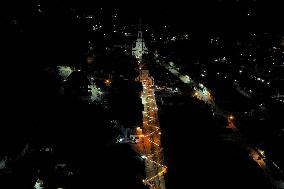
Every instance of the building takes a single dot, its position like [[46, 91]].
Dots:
[[140, 49]]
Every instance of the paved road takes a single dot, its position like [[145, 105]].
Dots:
[[149, 146]]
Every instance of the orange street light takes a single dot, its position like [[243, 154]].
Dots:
[[107, 81], [231, 117]]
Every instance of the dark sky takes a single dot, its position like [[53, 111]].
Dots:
[[212, 15]]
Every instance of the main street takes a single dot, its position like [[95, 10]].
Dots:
[[151, 138], [149, 143]]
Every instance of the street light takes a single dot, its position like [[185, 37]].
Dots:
[[107, 81]]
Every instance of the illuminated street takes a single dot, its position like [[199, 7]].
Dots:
[[200, 91], [160, 95], [149, 146]]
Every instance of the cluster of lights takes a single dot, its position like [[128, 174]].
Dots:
[[157, 129], [152, 108], [148, 116], [153, 142], [153, 132], [203, 95], [261, 152], [147, 181], [96, 27], [145, 157]]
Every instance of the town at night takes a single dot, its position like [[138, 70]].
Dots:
[[166, 96]]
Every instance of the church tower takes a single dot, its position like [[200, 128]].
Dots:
[[140, 47]]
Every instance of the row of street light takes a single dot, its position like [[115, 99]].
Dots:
[[150, 109]]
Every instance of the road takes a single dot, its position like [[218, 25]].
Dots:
[[152, 151], [149, 145]]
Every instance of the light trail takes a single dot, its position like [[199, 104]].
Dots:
[[152, 129], [146, 181], [153, 142], [150, 148]]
